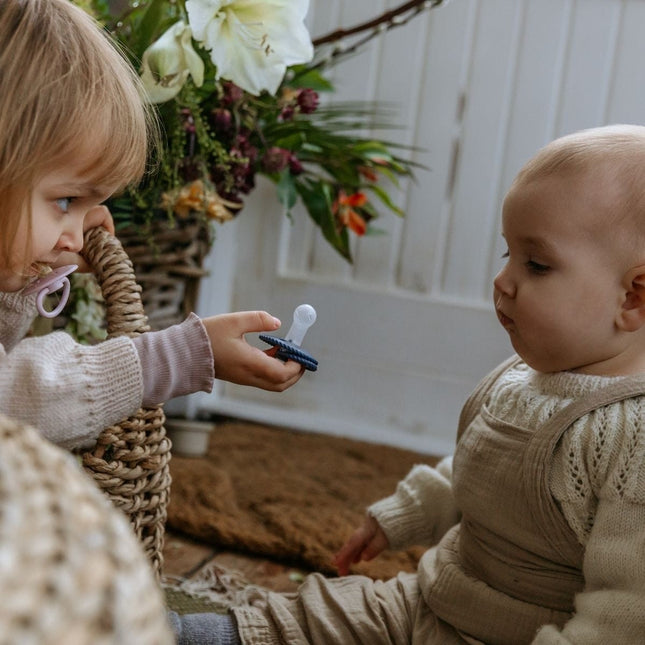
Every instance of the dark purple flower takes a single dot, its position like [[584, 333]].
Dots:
[[275, 159], [307, 100], [287, 112], [295, 165], [232, 94], [244, 148], [222, 120], [189, 170]]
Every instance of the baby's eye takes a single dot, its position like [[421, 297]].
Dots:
[[505, 255], [64, 203], [536, 267]]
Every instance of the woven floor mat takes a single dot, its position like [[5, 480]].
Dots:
[[288, 495]]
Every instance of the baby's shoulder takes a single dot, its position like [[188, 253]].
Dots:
[[608, 445]]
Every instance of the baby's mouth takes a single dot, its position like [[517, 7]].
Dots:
[[504, 320]]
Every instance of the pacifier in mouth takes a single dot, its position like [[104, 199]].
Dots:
[[51, 283]]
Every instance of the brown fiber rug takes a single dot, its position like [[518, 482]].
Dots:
[[292, 496]]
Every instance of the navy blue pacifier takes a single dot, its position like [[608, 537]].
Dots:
[[289, 348], [50, 283]]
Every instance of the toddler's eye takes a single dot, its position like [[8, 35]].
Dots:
[[505, 255], [64, 203]]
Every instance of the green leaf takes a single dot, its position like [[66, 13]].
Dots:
[[311, 78], [148, 27], [286, 189], [318, 200], [373, 231], [291, 142], [385, 198]]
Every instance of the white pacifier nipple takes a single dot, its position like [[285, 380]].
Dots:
[[304, 317]]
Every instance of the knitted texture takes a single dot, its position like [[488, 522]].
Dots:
[[601, 455], [50, 380], [70, 569]]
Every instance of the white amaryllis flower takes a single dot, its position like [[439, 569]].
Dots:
[[252, 42], [167, 63]]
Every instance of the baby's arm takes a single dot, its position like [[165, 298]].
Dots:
[[610, 609], [422, 508], [597, 478], [367, 541], [420, 511]]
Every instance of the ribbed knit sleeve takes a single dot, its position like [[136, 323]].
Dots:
[[599, 481], [175, 361], [70, 392], [421, 509], [17, 312]]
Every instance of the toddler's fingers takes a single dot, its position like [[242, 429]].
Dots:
[[253, 321], [99, 216]]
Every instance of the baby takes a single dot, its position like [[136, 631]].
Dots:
[[538, 522]]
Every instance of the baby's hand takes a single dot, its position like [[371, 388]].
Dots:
[[364, 544], [238, 362]]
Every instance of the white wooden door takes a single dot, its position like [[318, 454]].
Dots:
[[404, 334]]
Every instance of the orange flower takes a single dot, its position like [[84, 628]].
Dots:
[[344, 209], [186, 199], [194, 197], [368, 173]]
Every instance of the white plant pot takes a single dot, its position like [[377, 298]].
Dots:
[[189, 438]]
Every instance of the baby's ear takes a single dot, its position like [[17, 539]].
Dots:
[[631, 316]]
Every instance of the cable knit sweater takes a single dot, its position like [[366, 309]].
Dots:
[[71, 392], [598, 481]]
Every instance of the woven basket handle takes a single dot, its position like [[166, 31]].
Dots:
[[114, 272]]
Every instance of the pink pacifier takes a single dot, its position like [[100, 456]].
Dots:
[[51, 283]]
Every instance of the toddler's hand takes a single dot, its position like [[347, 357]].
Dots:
[[364, 544], [97, 216], [238, 362]]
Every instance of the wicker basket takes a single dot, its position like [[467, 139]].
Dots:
[[168, 265], [130, 461]]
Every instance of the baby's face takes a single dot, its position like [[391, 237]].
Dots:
[[559, 292]]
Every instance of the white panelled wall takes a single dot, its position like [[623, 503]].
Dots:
[[405, 332]]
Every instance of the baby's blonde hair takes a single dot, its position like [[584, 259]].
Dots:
[[64, 88], [616, 151]]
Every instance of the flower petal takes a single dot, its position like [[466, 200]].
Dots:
[[252, 42], [166, 64]]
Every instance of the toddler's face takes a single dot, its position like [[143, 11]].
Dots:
[[59, 202], [559, 292]]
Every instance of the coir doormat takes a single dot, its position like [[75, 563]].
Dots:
[[292, 496]]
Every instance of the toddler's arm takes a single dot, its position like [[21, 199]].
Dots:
[[185, 358], [70, 392], [238, 362]]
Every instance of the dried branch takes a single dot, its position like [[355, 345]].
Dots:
[[393, 18]]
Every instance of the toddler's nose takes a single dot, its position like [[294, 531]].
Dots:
[[71, 240]]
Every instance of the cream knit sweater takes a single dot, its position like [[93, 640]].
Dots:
[[71, 392], [598, 480]]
